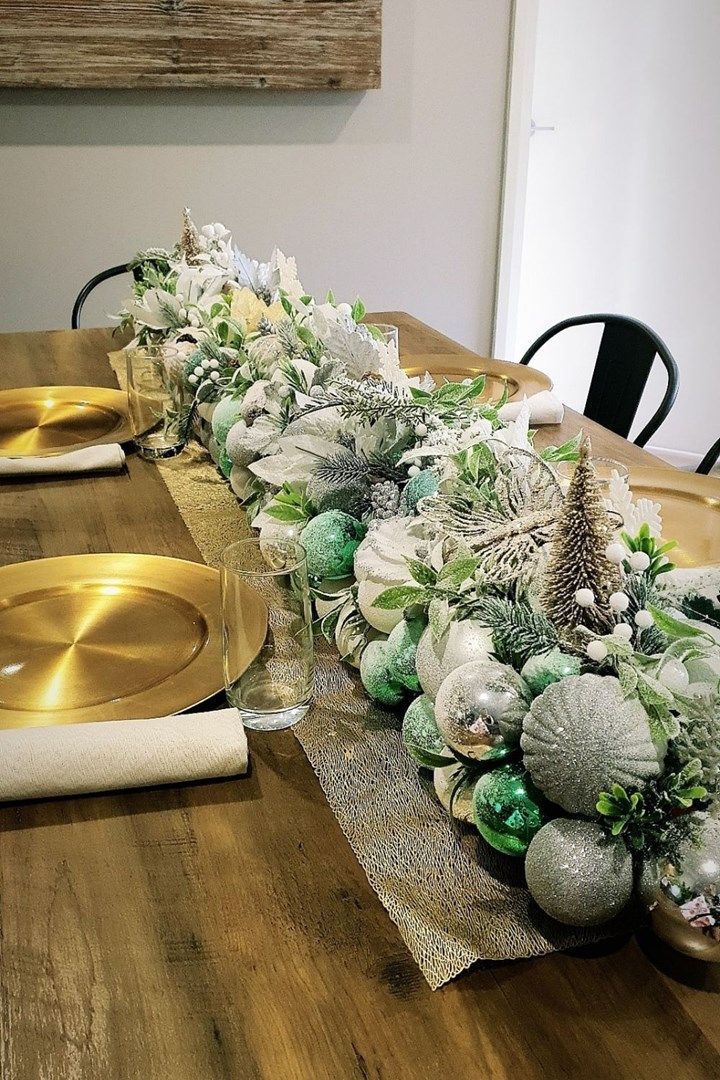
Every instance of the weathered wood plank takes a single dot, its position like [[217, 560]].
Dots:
[[252, 44]]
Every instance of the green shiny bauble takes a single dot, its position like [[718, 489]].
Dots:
[[421, 737], [401, 651], [550, 667], [376, 676], [330, 541], [507, 809]]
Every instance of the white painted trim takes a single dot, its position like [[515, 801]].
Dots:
[[681, 459], [521, 67]]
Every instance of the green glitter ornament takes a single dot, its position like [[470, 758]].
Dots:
[[421, 737], [508, 809], [401, 651], [376, 676], [418, 487], [550, 667], [226, 414], [330, 541]]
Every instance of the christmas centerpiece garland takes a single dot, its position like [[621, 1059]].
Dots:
[[565, 697]]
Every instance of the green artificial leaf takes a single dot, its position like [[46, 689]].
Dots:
[[421, 572], [628, 677], [330, 297], [674, 628], [358, 310], [283, 512], [457, 571], [439, 618], [567, 451], [401, 596], [286, 305]]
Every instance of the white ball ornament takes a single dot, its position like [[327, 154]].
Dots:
[[597, 651], [192, 379], [205, 363], [214, 365], [199, 371], [214, 376], [623, 632], [619, 601], [421, 430], [615, 553], [461, 642], [413, 470], [639, 560], [644, 619], [183, 314], [584, 598]]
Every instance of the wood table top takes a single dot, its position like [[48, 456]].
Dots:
[[225, 930]]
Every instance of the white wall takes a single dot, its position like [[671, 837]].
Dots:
[[623, 211], [393, 194]]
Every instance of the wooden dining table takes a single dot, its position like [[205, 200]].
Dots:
[[225, 929]]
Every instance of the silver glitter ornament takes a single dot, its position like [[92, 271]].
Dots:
[[581, 736], [471, 704], [576, 875]]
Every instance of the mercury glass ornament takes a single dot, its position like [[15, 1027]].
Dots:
[[581, 736], [508, 809], [461, 642], [471, 704], [330, 541], [576, 874], [376, 676], [685, 904], [546, 668], [421, 737]]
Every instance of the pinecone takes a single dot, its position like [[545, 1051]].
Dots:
[[385, 500]]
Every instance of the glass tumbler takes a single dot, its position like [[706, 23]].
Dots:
[[158, 400], [390, 335], [267, 632]]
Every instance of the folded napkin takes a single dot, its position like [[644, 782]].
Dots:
[[545, 408], [85, 460], [37, 763]]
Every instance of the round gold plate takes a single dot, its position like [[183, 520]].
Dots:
[[41, 420], [520, 380], [690, 511], [107, 637]]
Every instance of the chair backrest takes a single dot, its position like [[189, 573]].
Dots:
[[82, 296], [626, 355], [710, 458]]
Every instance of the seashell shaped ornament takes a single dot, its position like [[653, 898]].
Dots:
[[581, 736]]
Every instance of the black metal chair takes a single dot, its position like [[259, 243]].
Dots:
[[710, 459], [626, 355], [82, 296]]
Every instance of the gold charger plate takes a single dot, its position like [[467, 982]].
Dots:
[[41, 420], [690, 511], [520, 380], [107, 637]]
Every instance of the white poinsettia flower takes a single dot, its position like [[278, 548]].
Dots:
[[157, 309], [250, 273], [284, 275], [296, 462], [515, 436], [250, 310]]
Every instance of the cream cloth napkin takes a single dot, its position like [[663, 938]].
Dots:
[[72, 759], [85, 460], [545, 408]]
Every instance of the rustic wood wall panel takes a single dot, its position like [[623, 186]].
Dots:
[[257, 44]]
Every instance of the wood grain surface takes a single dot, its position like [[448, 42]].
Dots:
[[252, 44], [225, 930]]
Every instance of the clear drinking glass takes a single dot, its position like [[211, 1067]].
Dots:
[[158, 400], [267, 632], [604, 469], [390, 334]]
